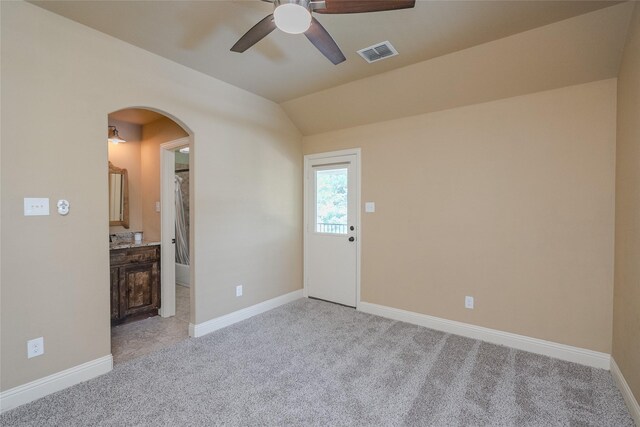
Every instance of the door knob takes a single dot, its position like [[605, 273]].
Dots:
[[352, 239], [352, 228]]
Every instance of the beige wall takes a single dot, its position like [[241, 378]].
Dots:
[[153, 134], [59, 76], [510, 201], [127, 156], [626, 309]]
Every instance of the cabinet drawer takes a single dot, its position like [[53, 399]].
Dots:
[[135, 255]]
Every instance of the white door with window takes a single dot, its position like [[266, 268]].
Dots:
[[332, 222]]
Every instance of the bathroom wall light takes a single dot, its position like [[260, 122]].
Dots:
[[113, 136]]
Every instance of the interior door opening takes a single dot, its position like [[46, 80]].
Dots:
[[143, 289]]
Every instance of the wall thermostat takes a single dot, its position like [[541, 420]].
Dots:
[[63, 207]]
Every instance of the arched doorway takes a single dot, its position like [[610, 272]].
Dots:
[[149, 310]]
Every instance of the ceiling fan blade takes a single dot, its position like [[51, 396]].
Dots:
[[255, 34], [324, 42], [362, 6]]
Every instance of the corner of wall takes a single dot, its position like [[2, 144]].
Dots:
[[626, 323], [627, 394]]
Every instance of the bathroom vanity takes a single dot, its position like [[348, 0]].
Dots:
[[135, 281]]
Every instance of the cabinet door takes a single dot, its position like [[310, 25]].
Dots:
[[115, 282], [139, 291]]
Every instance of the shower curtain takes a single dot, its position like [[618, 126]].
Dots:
[[182, 238]]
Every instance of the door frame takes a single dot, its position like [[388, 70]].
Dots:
[[167, 225], [307, 170]]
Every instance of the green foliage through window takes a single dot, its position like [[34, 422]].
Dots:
[[331, 201]]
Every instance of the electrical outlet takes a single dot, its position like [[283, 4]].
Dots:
[[468, 302], [35, 347], [239, 290]]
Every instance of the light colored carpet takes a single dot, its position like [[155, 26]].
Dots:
[[142, 337], [315, 363]]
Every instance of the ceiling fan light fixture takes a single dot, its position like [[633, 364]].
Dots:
[[292, 18]]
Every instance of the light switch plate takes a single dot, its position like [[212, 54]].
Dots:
[[34, 206], [370, 207]]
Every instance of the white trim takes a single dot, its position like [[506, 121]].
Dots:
[[237, 316], [357, 152], [534, 345], [29, 392], [178, 143], [167, 226], [627, 394]]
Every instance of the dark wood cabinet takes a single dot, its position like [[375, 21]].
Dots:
[[135, 283], [115, 293]]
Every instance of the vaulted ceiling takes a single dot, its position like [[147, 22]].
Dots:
[[451, 53]]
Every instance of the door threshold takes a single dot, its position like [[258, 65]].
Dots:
[[331, 302]]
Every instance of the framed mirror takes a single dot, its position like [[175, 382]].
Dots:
[[118, 196]]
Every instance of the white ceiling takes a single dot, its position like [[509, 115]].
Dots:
[[283, 67]]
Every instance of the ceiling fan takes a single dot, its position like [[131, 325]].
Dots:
[[294, 17]]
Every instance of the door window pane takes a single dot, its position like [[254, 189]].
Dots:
[[331, 201]]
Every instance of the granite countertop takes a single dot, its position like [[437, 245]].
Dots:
[[126, 245]]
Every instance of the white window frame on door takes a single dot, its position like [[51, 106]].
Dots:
[[308, 159]]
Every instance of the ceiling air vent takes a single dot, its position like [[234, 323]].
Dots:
[[378, 51]]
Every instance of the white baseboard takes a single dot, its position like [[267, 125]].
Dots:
[[229, 319], [520, 342], [627, 394], [50, 384]]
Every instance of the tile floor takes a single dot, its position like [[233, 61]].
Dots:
[[135, 339]]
